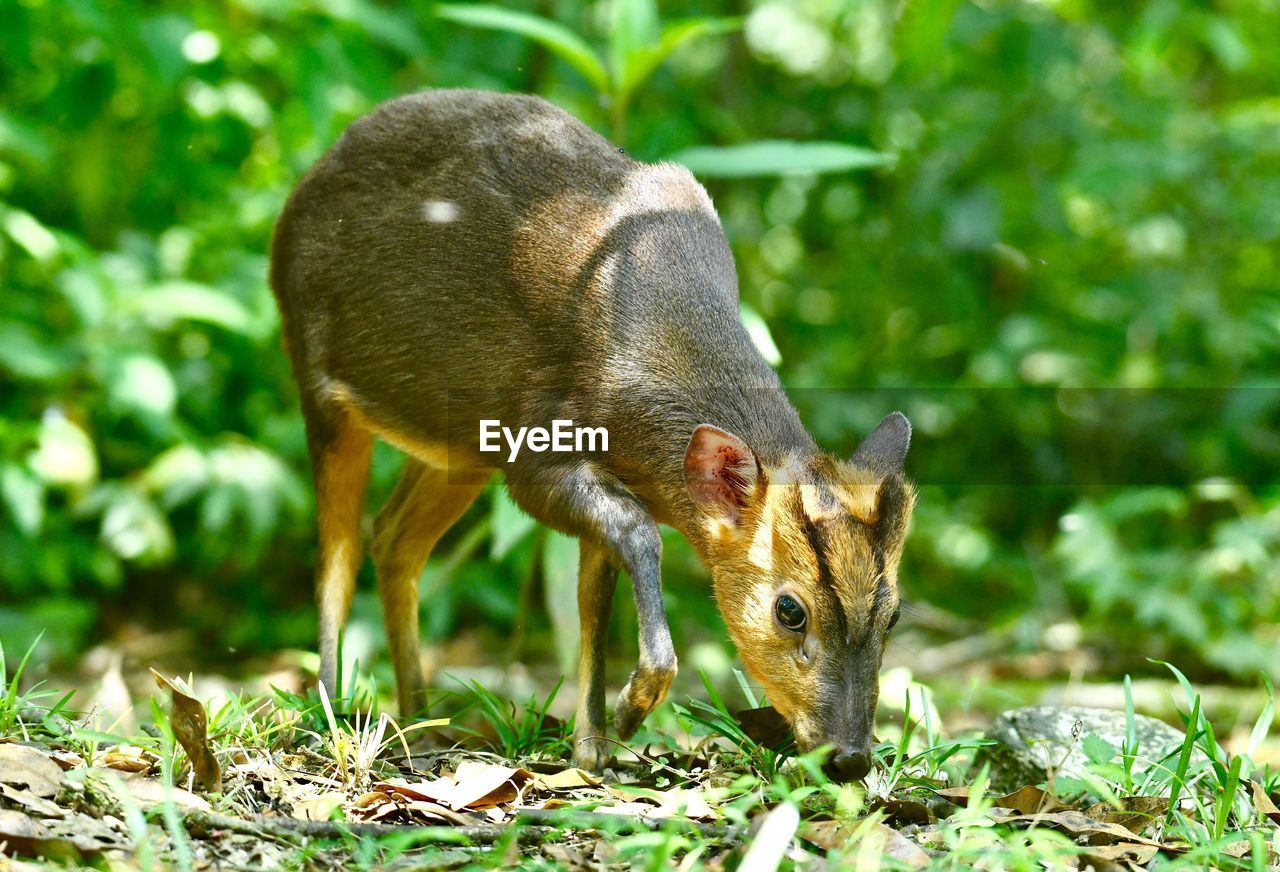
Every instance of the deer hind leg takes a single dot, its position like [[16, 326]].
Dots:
[[423, 506], [341, 453]]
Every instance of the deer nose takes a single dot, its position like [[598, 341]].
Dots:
[[847, 764]]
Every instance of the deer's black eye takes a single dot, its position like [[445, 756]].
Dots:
[[789, 613], [893, 620]]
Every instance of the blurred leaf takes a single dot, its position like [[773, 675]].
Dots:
[[509, 522], [643, 60], [633, 31], [562, 41], [168, 303], [136, 529], [560, 587], [25, 355], [177, 475], [391, 27], [141, 383], [24, 496], [778, 157], [64, 455], [758, 330]]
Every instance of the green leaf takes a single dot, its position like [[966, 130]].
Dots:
[[560, 587], [779, 157], [758, 330], [394, 29], [168, 303], [1097, 750], [509, 523], [633, 31], [641, 64], [24, 496], [563, 42]]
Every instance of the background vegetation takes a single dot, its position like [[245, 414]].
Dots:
[[1067, 277]]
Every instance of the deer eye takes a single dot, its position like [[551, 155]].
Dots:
[[789, 613], [893, 620]]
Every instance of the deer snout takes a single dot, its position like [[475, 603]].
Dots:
[[848, 764]]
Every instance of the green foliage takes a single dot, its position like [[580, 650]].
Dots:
[[1065, 276]]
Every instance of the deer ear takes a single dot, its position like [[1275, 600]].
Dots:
[[885, 449], [720, 472]]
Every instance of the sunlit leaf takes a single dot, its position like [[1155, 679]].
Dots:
[[758, 330], [509, 523], [633, 31], [779, 157], [642, 62], [560, 586], [187, 301], [64, 455], [563, 42]]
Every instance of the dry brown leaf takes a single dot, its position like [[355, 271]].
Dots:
[[28, 800], [1135, 813], [30, 769], [1263, 803], [191, 727], [827, 835], [905, 811], [1077, 823], [764, 726], [900, 848], [318, 808], [66, 759], [373, 797], [565, 779], [1120, 851], [151, 791], [129, 758], [1030, 800]]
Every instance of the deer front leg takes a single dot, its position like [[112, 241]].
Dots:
[[600, 510]]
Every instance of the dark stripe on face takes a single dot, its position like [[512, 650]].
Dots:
[[814, 537]]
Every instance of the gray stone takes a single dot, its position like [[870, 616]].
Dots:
[[1031, 742]]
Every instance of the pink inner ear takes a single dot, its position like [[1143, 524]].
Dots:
[[720, 472]]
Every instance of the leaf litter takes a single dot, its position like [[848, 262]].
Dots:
[[249, 805]]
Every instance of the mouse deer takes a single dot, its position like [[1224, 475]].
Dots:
[[460, 257]]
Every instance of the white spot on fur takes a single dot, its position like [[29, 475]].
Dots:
[[440, 211]]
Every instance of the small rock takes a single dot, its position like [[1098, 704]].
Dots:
[[1033, 741]]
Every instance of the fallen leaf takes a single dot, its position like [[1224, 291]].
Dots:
[[1135, 813], [565, 779], [191, 727], [827, 835], [66, 759], [28, 800], [1077, 823], [1131, 851], [150, 792], [905, 811], [1264, 804], [479, 785], [129, 758], [371, 798], [899, 847], [317, 808], [30, 769], [764, 726], [1030, 800]]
